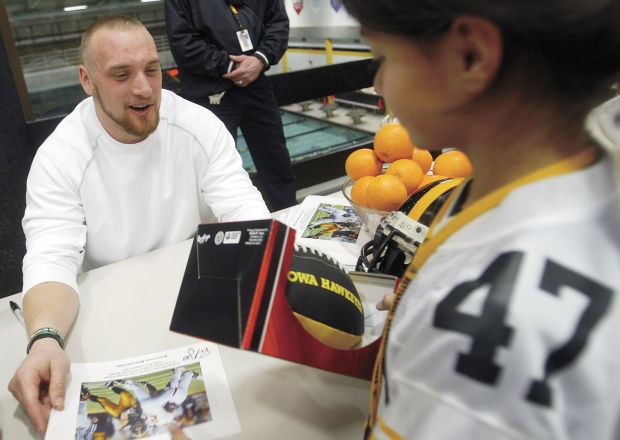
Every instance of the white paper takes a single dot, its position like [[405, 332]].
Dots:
[[372, 287], [330, 224], [138, 397]]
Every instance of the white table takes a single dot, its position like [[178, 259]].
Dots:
[[125, 311]]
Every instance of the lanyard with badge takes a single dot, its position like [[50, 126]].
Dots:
[[242, 34]]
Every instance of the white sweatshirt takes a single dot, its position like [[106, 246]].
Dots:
[[92, 201]]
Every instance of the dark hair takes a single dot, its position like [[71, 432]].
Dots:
[[574, 46]]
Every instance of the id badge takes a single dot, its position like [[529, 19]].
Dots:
[[244, 40]]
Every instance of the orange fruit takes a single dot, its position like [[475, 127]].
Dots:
[[408, 172], [422, 157], [386, 193], [358, 190], [430, 178], [452, 164], [392, 142], [362, 162]]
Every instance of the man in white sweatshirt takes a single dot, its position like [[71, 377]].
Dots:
[[131, 169]]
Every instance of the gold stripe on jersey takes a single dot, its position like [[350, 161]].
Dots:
[[388, 431], [575, 162]]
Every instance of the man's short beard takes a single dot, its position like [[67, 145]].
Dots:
[[142, 131]]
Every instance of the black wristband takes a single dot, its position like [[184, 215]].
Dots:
[[45, 334]]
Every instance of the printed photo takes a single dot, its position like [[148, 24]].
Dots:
[[334, 222], [143, 406]]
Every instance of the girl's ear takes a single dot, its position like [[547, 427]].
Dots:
[[476, 52]]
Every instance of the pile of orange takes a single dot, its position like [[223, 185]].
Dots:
[[385, 177]]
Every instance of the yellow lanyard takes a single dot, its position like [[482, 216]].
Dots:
[[236, 15], [579, 160]]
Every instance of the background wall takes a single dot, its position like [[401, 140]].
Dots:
[[311, 28], [318, 13], [15, 157]]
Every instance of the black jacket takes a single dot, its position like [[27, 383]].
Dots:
[[202, 33]]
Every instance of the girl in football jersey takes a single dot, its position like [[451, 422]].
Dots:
[[507, 323]]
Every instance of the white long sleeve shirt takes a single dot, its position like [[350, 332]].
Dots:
[[92, 201]]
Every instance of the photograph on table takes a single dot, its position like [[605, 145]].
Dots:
[[142, 406], [334, 222]]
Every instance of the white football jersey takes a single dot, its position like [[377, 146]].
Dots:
[[511, 328]]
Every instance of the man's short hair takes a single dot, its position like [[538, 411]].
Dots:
[[115, 22]]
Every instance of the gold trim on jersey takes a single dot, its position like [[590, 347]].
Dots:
[[388, 431], [580, 160]]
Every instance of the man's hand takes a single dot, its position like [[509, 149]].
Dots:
[[39, 382], [176, 432], [247, 72]]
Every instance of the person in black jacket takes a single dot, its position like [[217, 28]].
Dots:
[[222, 49]]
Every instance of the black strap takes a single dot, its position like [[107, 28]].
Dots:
[[236, 15], [42, 335]]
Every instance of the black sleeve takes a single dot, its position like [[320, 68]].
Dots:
[[191, 50], [275, 40]]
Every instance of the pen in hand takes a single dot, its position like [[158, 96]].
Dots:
[[17, 311]]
